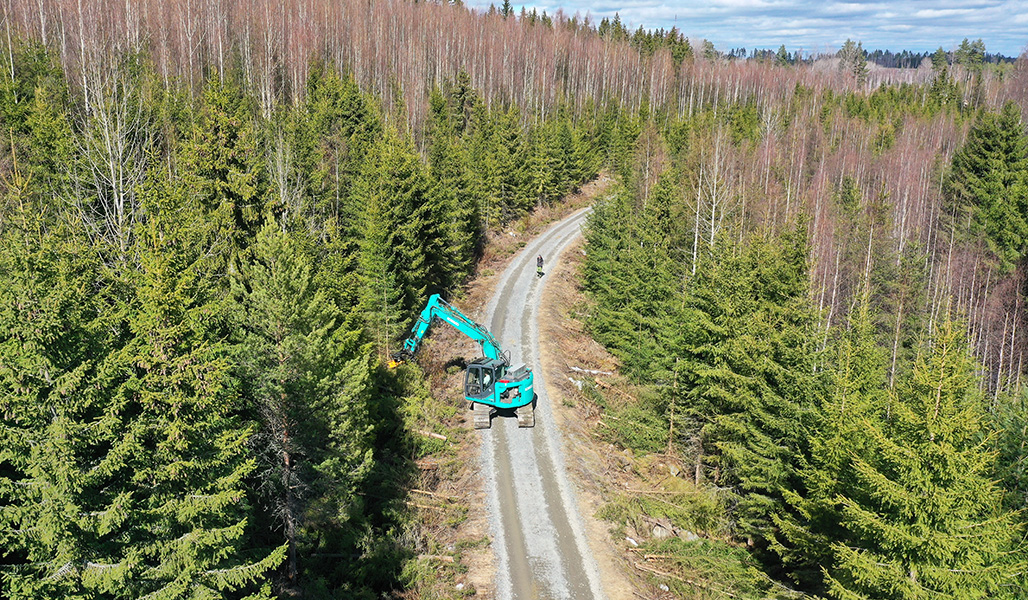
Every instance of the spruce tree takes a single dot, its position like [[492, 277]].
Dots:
[[348, 127], [989, 179], [921, 514], [308, 378], [1010, 420], [224, 165], [856, 396], [54, 421], [454, 193], [191, 445], [748, 364], [515, 192], [126, 427], [401, 246]]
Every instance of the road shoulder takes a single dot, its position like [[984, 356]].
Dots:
[[564, 344]]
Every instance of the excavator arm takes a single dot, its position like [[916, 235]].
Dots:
[[490, 382], [437, 308]]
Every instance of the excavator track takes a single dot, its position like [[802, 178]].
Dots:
[[526, 415], [481, 414]]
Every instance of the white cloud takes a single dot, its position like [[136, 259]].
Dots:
[[932, 13], [917, 25]]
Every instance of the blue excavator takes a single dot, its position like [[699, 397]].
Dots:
[[490, 382]]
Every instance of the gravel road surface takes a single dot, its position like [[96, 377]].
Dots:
[[538, 536]]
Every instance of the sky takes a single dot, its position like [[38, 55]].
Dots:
[[816, 26]]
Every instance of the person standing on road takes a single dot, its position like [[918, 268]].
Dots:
[[539, 266]]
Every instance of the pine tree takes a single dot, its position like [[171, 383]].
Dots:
[[852, 58], [921, 516]]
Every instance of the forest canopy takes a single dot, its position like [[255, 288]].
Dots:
[[215, 223]]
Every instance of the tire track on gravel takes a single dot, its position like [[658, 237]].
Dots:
[[538, 535]]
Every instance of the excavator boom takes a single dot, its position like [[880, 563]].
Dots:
[[489, 381], [437, 308]]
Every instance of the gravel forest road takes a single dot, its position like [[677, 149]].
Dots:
[[539, 538]]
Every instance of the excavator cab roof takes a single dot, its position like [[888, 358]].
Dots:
[[492, 363]]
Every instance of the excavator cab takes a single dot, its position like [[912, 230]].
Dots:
[[480, 378]]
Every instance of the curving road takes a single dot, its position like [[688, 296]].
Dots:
[[538, 535]]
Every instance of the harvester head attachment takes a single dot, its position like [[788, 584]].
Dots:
[[398, 358]]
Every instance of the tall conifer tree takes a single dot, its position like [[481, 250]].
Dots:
[[749, 366], [990, 180], [136, 454], [224, 165], [309, 379], [922, 514], [454, 193], [856, 397]]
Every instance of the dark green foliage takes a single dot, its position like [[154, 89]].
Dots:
[[748, 355], [345, 124], [511, 169], [1011, 423], [126, 427], [50, 313], [188, 396], [743, 122], [455, 193], [730, 347], [36, 131], [856, 396], [634, 269], [970, 55], [308, 378], [717, 568], [853, 59], [989, 180], [224, 166], [699, 564], [559, 162]]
